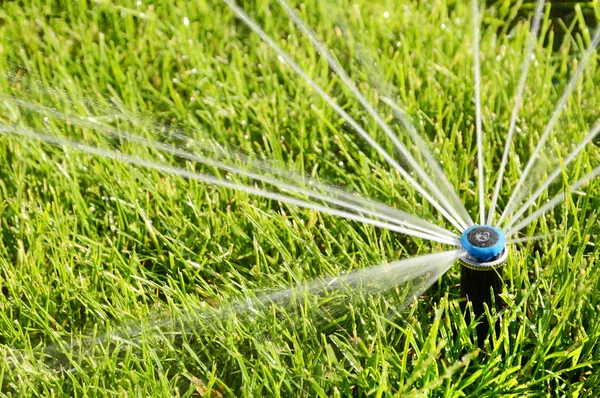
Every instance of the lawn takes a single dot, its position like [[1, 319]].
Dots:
[[121, 279]]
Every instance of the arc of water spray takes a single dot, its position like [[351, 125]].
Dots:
[[219, 182], [421, 271], [539, 12], [561, 104], [283, 56], [557, 171], [342, 198], [477, 75], [459, 213], [372, 280], [395, 217], [391, 214], [554, 202]]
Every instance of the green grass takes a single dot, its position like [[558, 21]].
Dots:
[[90, 246]]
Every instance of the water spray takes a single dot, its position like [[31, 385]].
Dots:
[[481, 271]]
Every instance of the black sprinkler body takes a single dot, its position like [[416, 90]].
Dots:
[[482, 271]]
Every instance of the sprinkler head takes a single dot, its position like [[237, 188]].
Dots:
[[485, 246], [481, 275]]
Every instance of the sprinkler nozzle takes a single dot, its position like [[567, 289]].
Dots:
[[485, 246]]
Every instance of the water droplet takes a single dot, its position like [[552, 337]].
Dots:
[[186, 21], [386, 15]]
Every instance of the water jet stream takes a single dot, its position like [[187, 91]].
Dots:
[[383, 92], [217, 151], [561, 104], [219, 182], [539, 12], [341, 73], [440, 176], [333, 196], [557, 171], [408, 277], [363, 133], [534, 238], [554, 201], [477, 72]]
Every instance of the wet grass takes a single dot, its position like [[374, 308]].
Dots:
[[95, 247]]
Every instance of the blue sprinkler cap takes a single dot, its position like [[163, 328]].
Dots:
[[483, 243]]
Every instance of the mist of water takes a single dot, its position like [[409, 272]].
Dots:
[[383, 92], [211, 153]]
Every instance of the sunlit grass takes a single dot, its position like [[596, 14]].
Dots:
[[95, 247]]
